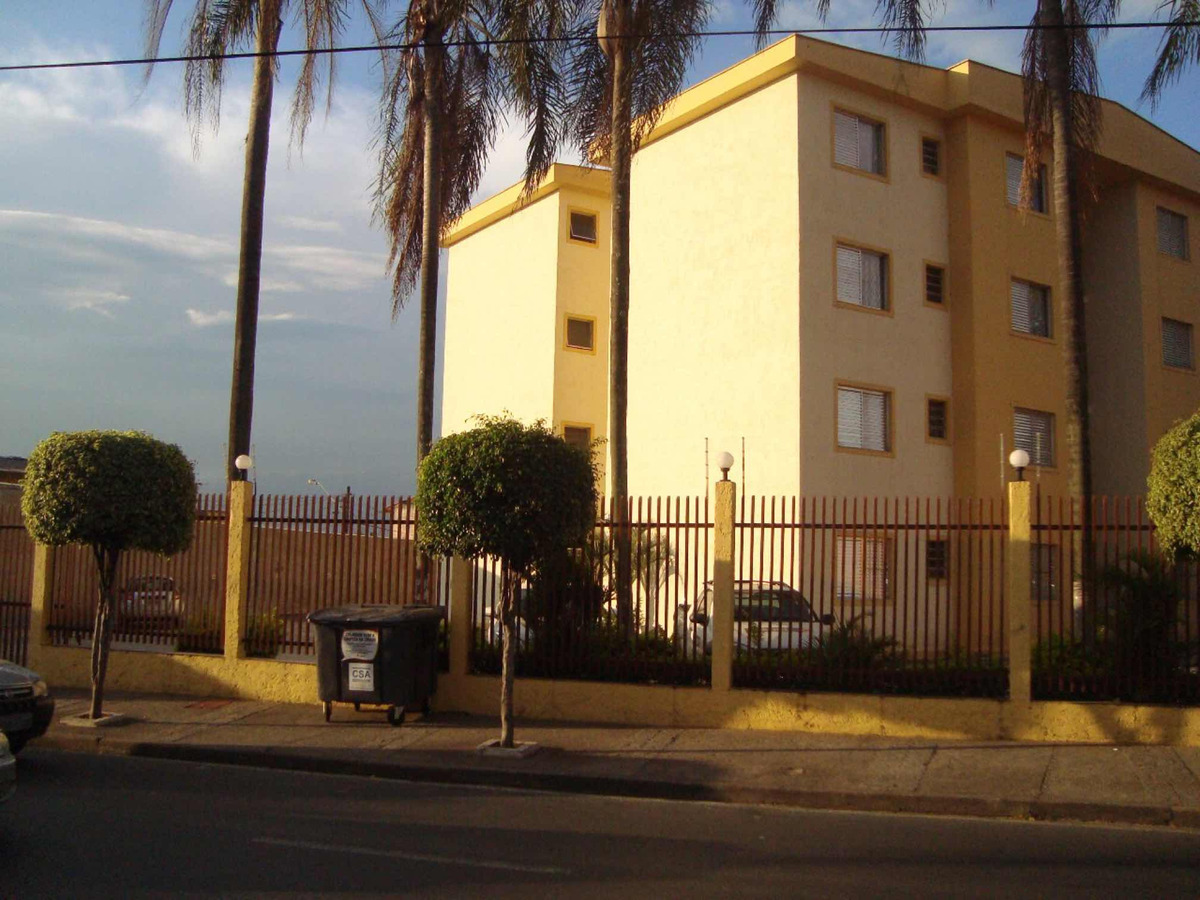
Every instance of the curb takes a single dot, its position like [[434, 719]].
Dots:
[[598, 785]]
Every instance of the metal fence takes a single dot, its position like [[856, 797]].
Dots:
[[1116, 620], [570, 621], [898, 596], [167, 604], [16, 583], [312, 552]]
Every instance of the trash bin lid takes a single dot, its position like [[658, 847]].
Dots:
[[359, 615]]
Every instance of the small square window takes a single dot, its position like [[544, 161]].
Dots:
[[1177, 344], [937, 419], [1044, 574], [583, 227], [935, 285], [1030, 308], [1172, 233], [578, 436], [1014, 166], [1033, 432], [858, 143], [581, 333], [931, 156], [862, 422], [862, 277], [937, 559]]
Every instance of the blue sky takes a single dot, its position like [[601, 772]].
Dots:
[[118, 244]]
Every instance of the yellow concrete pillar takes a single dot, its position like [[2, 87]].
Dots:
[[237, 567], [39, 608], [721, 611], [461, 571], [1018, 591]]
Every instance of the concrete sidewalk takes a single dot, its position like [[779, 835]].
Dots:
[[1099, 783]]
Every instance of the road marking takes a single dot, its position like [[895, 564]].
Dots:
[[413, 857]]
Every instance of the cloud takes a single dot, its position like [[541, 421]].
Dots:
[[203, 319], [331, 268], [301, 223], [265, 285], [97, 301], [166, 241]]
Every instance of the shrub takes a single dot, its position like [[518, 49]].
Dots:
[[848, 646], [264, 633], [1173, 488]]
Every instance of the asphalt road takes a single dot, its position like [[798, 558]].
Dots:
[[113, 826]]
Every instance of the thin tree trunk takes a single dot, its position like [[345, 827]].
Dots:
[[106, 563], [509, 664], [254, 191], [1068, 238], [618, 370]]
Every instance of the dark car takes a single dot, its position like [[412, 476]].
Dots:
[[26, 706]]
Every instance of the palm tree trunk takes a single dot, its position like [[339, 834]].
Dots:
[[618, 368], [1070, 284], [254, 192], [106, 563]]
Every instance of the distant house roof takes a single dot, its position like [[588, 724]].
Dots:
[[12, 463]]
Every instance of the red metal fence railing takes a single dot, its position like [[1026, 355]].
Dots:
[[166, 604], [312, 552], [866, 594], [571, 624], [1119, 623], [16, 583]]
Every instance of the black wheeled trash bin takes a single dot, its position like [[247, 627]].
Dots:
[[380, 655]]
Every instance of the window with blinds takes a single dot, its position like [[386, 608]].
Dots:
[[937, 419], [862, 277], [1030, 308], [1033, 432], [862, 570], [580, 333], [1012, 182], [935, 285], [863, 419], [931, 156], [858, 143], [1172, 233], [937, 559], [1177, 344]]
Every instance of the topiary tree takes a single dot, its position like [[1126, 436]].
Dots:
[[1173, 488], [514, 492], [114, 491]]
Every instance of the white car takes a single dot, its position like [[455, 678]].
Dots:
[[8, 770], [767, 615]]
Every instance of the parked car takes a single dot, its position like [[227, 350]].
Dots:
[[26, 706], [152, 599], [767, 615], [8, 770]]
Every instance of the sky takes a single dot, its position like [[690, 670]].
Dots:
[[118, 239]]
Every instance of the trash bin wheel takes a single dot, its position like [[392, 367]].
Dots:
[[395, 715], [358, 707], [327, 707]]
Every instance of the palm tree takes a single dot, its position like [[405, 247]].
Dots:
[[461, 64], [1180, 47], [216, 28], [620, 85]]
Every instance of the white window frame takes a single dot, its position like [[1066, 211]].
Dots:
[[1022, 318], [1025, 435], [864, 419], [856, 137], [862, 277], [863, 568]]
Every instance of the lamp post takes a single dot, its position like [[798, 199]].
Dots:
[[1019, 460], [242, 464], [724, 463]]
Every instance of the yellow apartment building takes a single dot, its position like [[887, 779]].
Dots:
[[830, 278]]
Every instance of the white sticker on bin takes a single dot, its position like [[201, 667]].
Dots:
[[361, 677], [362, 644]]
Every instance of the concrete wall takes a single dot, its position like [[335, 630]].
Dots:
[[714, 316]]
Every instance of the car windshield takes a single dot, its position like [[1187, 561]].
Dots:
[[773, 605]]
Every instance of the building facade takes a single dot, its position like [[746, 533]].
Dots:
[[832, 279]]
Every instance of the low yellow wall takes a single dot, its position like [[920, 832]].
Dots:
[[658, 706]]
